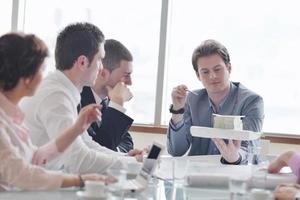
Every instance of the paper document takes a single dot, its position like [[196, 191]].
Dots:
[[205, 132], [220, 180]]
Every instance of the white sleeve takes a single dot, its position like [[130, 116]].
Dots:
[[88, 140], [78, 158], [116, 106], [94, 145]]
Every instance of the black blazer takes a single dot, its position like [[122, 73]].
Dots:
[[113, 129]]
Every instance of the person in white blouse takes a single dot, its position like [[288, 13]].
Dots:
[[21, 67], [78, 54]]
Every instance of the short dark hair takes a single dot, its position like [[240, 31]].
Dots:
[[76, 40], [115, 52], [21, 56], [207, 48]]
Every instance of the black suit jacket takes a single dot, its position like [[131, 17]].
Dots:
[[113, 129]]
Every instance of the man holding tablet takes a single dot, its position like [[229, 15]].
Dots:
[[211, 63]]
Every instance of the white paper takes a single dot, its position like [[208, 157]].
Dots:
[[205, 132], [217, 176]]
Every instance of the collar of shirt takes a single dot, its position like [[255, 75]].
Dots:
[[111, 104], [216, 110], [71, 88], [98, 100], [13, 111]]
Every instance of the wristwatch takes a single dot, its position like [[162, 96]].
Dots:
[[81, 182], [180, 111]]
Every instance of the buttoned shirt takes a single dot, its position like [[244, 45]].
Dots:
[[16, 153], [53, 109]]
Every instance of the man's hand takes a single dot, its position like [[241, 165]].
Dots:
[[230, 151], [179, 95], [87, 116], [138, 154], [119, 94]]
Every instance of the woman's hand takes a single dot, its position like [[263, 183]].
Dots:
[[98, 177], [286, 191], [280, 162]]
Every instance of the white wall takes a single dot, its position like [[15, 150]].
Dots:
[[142, 140]]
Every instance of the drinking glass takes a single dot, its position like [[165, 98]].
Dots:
[[238, 187]]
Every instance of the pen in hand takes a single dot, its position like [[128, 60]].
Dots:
[[194, 93]]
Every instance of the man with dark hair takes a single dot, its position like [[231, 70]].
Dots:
[[75, 40], [211, 62], [112, 92], [78, 53]]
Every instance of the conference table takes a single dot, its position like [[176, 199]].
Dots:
[[157, 190], [168, 183]]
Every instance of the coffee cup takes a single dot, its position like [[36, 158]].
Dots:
[[95, 188], [133, 169]]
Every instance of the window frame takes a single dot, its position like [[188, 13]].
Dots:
[[17, 24]]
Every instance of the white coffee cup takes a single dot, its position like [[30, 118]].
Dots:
[[95, 189], [260, 194]]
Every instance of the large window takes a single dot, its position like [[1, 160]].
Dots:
[[135, 23], [263, 39], [5, 16]]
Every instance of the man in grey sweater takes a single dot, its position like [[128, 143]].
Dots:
[[211, 63]]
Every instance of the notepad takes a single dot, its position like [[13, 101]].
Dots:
[[206, 132]]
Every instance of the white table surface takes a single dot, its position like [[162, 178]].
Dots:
[[157, 189]]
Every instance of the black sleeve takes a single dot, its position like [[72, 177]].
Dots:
[[113, 130], [126, 143]]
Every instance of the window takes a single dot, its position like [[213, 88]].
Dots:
[[135, 23], [5, 16], [263, 40]]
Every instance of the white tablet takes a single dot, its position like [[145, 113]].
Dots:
[[205, 132]]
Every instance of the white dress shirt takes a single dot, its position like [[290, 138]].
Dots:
[[53, 109], [16, 152]]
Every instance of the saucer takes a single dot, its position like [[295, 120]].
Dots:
[[84, 195]]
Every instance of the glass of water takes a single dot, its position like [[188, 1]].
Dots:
[[238, 187], [258, 164], [179, 167]]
